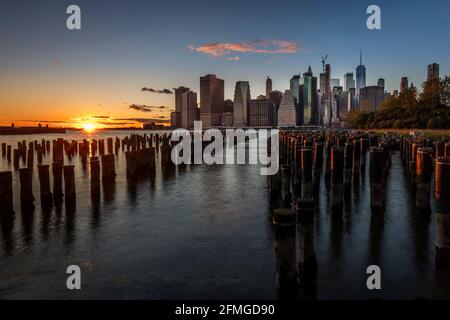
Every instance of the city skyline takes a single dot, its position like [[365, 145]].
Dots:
[[61, 77]]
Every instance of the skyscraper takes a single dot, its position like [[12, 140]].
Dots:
[[371, 98], [262, 112], [268, 87], [287, 112], [241, 100], [349, 82], [325, 112], [295, 88], [403, 84], [211, 100], [178, 105], [380, 83], [310, 107], [433, 71], [188, 109], [360, 76]]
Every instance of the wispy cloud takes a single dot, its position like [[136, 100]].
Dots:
[[143, 120], [235, 58], [221, 49], [146, 108], [164, 91]]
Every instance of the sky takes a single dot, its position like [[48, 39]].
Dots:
[[64, 77]]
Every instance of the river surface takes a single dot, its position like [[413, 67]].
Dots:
[[205, 232]]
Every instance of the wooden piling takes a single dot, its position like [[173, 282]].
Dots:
[[26, 188], [377, 163], [337, 176], [6, 196], [57, 171], [442, 195], [424, 173], [44, 182], [284, 222], [69, 185]]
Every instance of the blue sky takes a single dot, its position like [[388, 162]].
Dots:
[[125, 45]]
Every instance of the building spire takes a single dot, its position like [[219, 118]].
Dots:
[[360, 58]]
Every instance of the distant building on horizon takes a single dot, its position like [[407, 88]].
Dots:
[[268, 87], [433, 71], [262, 113], [240, 106], [228, 105], [211, 100], [360, 76], [370, 98], [325, 96], [296, 88], [188, 109], [309, 99], [287, 112], [276, 97], [227, 119], [403, 84], [178, 92], [381, 83], [349, 82], [173, 120]]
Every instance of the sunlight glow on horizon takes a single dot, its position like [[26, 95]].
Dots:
[[89, 127]]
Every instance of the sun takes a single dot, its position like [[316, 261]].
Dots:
[[89, 127]]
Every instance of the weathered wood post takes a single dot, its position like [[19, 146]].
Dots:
[[424, 173], [284, 222], [16, 159], [101, 147], [166, 160], [356, 166], [318, 162], [109, 141], [286, 197], [39, 154], [3, 150], [44, 182], [348, 163], [30, 158], [95, 176], [363, 156], [307, 263], [26, 189], [57, 171], [442, 195], [69, 185], [6, 196], [108, 168], [377, 162], [337, 175], [8, 153], [307, 186]]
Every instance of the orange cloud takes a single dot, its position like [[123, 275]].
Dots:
[[221, 49]]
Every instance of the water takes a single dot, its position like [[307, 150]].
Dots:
[[205, 232]]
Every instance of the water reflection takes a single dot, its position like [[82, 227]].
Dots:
[[212, 227]]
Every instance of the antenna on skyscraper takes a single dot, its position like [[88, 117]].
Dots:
[[323, 62], [360, 58]]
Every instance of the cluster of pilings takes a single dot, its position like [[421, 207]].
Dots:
[[294, 192], [306, 155], [419, 155], [140, 158]]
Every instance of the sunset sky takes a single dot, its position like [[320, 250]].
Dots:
[[59, 77]]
